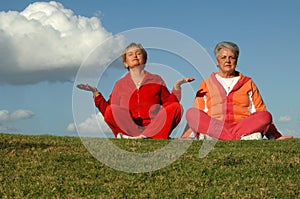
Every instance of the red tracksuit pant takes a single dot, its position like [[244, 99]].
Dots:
[[201, 122], [119, 120]]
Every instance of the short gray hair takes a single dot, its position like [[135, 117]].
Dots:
[[227, 45]]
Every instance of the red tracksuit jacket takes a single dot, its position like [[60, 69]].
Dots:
[[142, 103]]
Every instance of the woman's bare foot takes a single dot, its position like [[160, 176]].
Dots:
[[285, 138]]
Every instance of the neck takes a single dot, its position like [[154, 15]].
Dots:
[[137, 72], [137, 76], [227, 75]]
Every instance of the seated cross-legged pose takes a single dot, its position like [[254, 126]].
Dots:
[[228, 105], [140, 105]]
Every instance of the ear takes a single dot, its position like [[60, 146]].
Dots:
[[125, 64], [217, 62]]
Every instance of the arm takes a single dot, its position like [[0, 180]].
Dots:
[[99, 100], [257, 101], [88, 87], [179, 82], [177, 86], [200, 101]]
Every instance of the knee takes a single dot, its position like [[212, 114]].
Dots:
[[266, 116], [190, 114], [175, 106]]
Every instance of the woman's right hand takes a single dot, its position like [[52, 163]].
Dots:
[[179, 82], [88, 87]]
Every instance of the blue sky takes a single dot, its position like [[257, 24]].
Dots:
[[36, 98]]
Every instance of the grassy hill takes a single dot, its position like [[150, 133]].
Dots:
[[61, 167]]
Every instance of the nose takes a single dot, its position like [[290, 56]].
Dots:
[[228, 59]]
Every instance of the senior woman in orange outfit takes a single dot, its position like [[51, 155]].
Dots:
[[228, 105], [140, 105]]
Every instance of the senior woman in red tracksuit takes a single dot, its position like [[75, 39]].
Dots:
[[140, 105]]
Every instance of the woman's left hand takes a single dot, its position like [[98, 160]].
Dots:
[[179, 82]]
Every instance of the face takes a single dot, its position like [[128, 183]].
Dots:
[[134, 57], [226, 61]]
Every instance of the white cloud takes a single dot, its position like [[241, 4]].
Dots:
[[5, 115], [71, 128], [21, 115], [7, 118], [90, 127], [47, 42], [284, 118]]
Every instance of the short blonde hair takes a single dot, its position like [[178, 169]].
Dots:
[[134, 45]]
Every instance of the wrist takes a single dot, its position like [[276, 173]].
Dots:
[[177, 87], [95, 92]]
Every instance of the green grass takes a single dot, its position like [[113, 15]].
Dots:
[[61, 167]]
